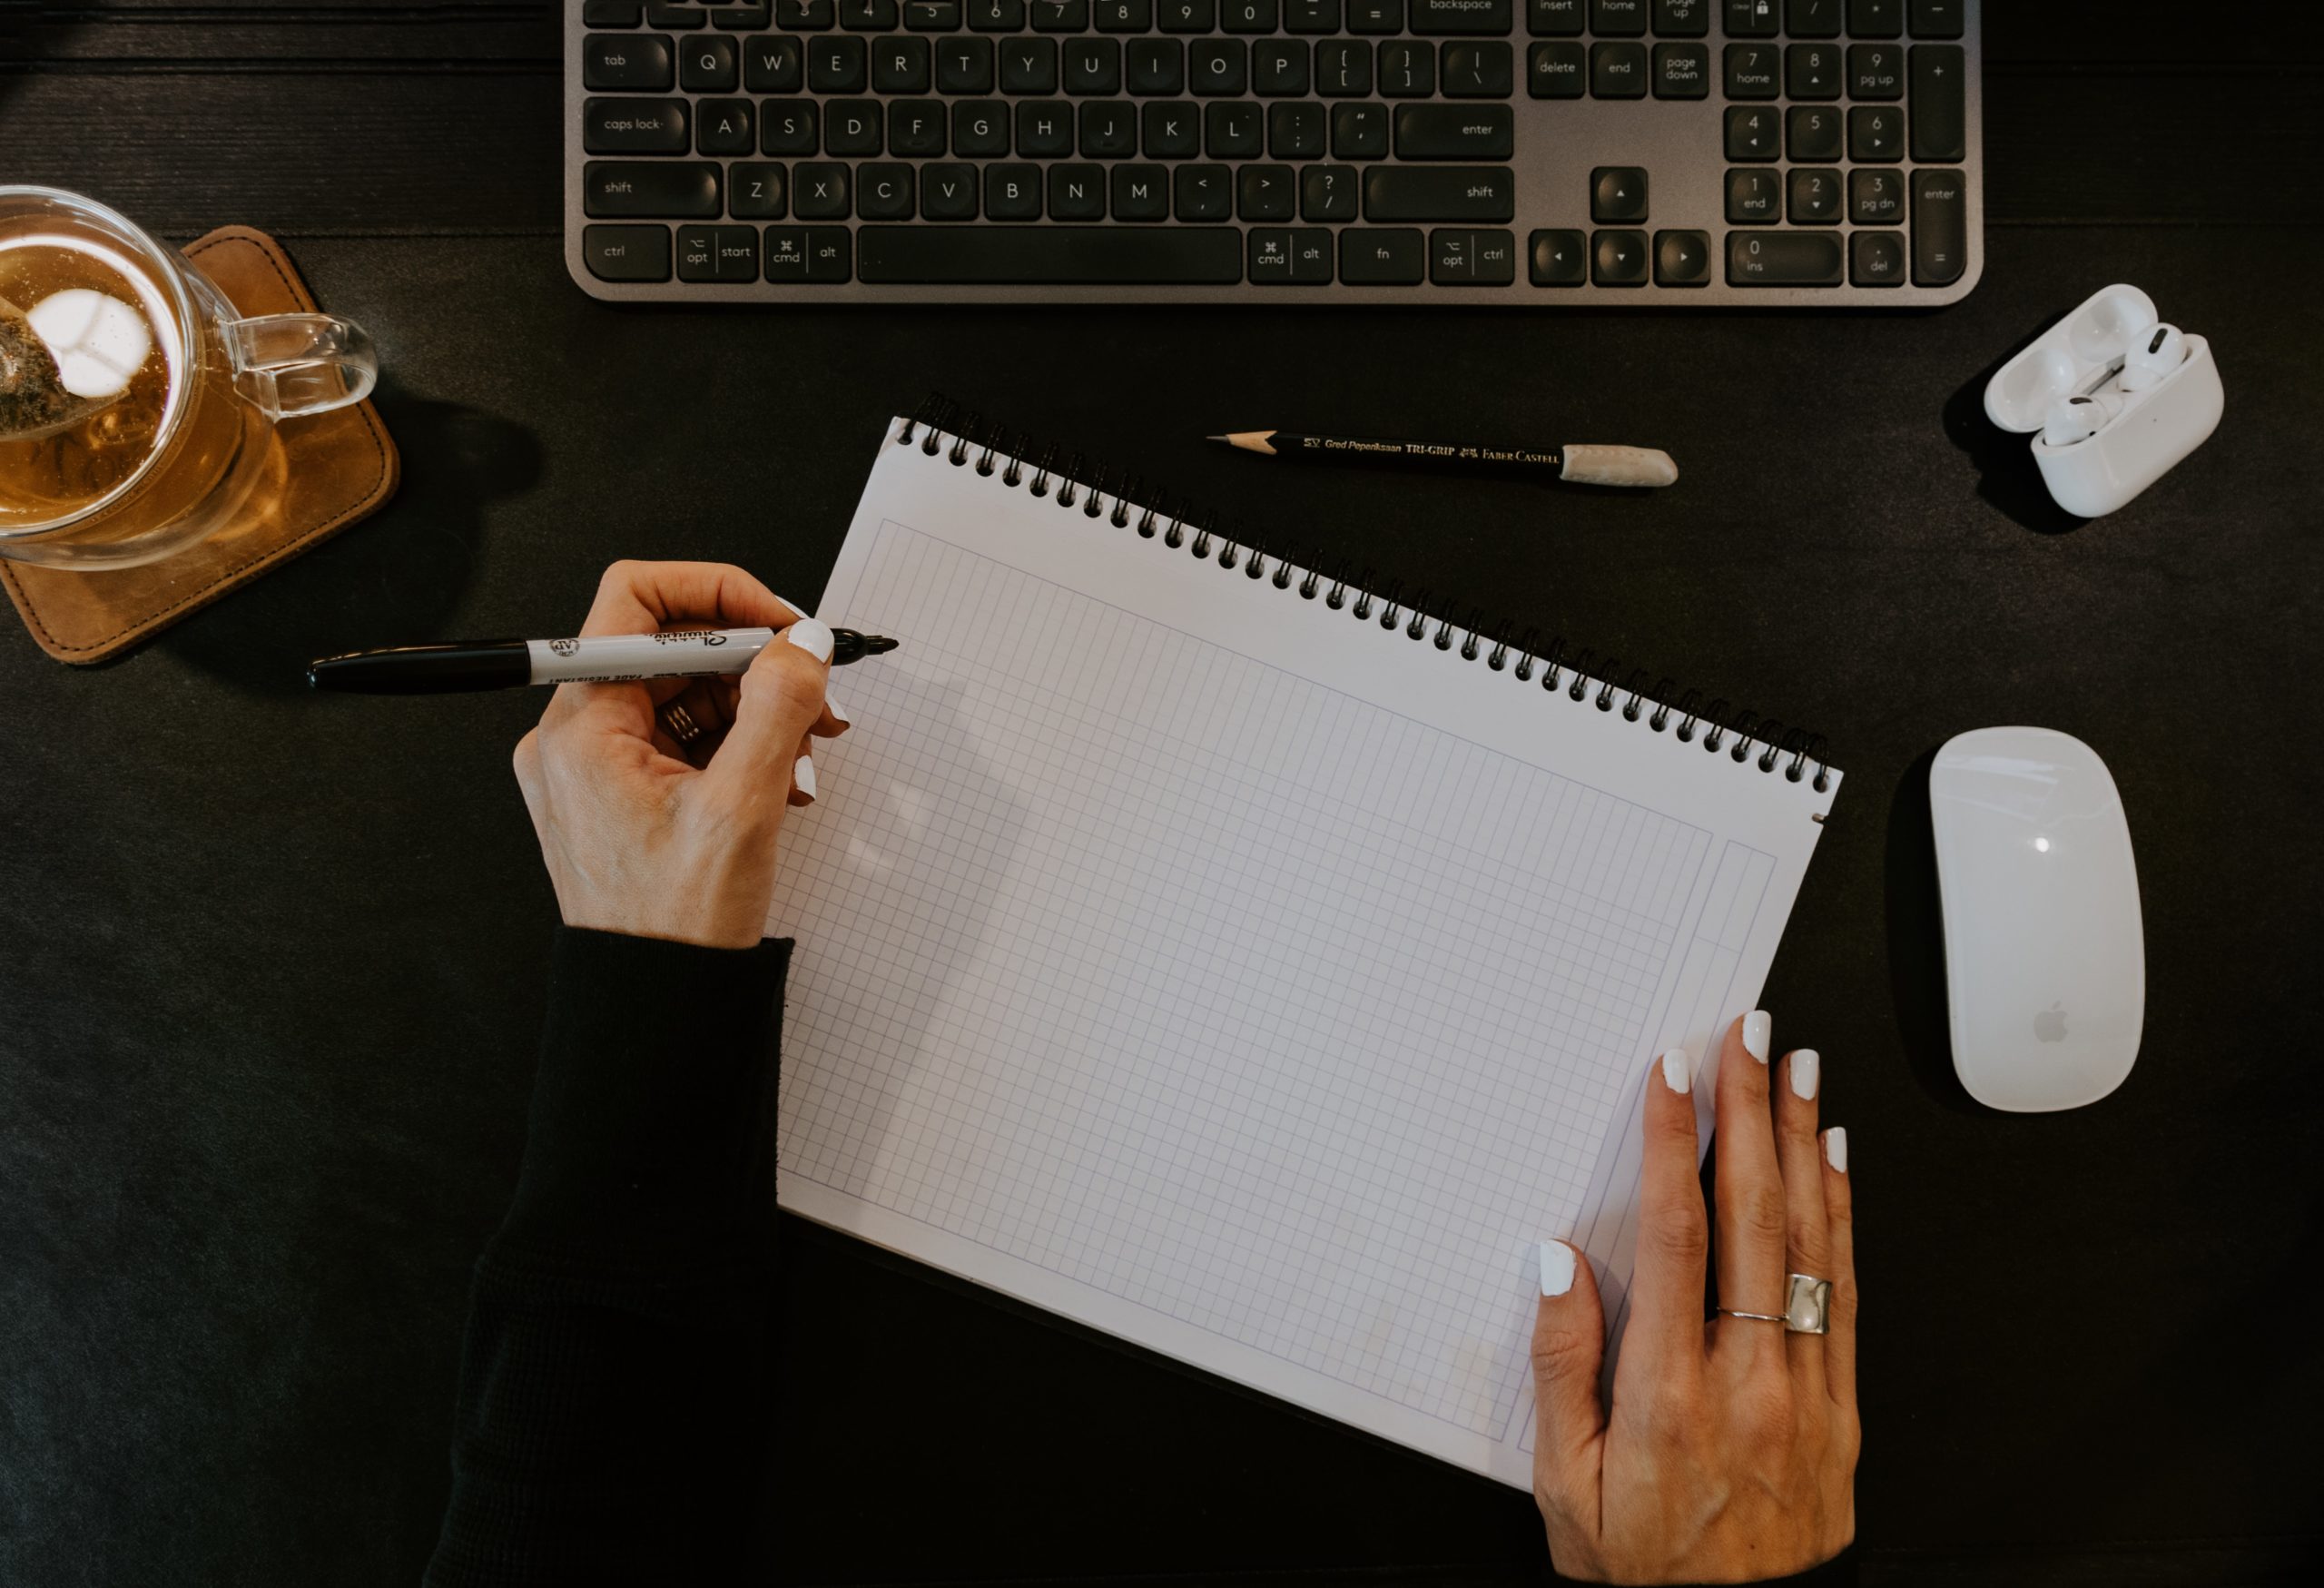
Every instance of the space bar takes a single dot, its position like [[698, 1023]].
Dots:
[[1051, 255]]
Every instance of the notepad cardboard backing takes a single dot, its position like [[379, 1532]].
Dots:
[[334, 469]]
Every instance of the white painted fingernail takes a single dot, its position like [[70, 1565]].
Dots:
[[1757, 1028], [836, 709], [802, 776], [1557, 1267], [1677, 1071], [1804, 1065], [1836, 1149], [812, 637]]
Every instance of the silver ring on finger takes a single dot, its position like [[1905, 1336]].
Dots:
[[679, 724], [1807, 1309]]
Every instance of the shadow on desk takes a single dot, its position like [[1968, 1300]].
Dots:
[[2006, 476], [395, 578]]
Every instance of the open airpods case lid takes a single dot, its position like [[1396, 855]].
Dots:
[[2070, 357]]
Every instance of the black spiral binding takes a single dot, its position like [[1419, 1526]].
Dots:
[[1581, 678]]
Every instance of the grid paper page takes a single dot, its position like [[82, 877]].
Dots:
[[1234, 975]]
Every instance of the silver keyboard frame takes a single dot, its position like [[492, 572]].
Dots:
[[1558, 143]]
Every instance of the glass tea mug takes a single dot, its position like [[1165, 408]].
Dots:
[[229, 379]]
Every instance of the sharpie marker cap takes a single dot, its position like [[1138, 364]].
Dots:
[[487, 664]]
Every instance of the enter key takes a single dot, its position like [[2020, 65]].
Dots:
[[1454, 132]]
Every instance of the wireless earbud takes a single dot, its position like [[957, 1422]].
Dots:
[[2152, 357], [2078, 418]]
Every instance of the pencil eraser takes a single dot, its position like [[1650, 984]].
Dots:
[[1641, 466]]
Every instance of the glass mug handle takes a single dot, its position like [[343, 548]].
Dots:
[[294, 364]]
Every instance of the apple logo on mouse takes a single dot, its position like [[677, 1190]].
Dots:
[[2050, 1024]]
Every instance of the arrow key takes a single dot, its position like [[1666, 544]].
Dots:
[[1875, 133], [1617, 193], [1683, 258], [1559, 258]]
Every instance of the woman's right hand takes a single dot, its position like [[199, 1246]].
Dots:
[[650, 837], [1730, 1452]]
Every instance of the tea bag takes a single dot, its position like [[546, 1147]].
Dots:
[[69, 356]]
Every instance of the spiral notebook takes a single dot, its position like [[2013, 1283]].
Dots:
[[1239, 961]]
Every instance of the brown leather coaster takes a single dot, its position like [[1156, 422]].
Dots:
[[327, 472]]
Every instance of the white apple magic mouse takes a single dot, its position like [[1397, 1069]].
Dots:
[[2044, 953]]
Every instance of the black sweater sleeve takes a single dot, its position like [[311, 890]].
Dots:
[[611, 1421]]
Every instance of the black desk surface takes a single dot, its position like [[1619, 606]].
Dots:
[[271, 965]]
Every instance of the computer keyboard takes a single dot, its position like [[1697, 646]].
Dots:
[[1678, 153]]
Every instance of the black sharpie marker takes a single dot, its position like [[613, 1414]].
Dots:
[[611, 658]]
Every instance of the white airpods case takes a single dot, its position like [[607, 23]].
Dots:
[[2083, 354]]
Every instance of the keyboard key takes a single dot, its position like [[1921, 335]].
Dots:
[[1284, 257], [1343, 67], [1186, 15], [773, 65], [1382, 256], [932, 16], [718, 254], [797, 254], [1683, 258], [1618, 192], [900, 66], [637, 126], [1618, 18], [1815, 198], [1937, 19], [1875, 72], [1012, 192], [671, 189], [1556, 70], [1141, 193], [996, 15], [1446, 193], [1876, 132], [1265, 192], [1371, 16], [1109, 130], [626, 253], [1617, 71], [867, 15], [1059, 15], [1783, 258], [1753, 72], [1359, 132], [757, 190], [1076, 193], [915, 128], [1205, 192], [612, 14], [1876, 19], [820, 192], [1751, 132], [1296, 132], [1407, 69], [1029, 66], [1683, 19], [1940, 125], [1328, 192], [1875, 259], [742, 16], [641, 62], [1278, 66], [710, 65], [1474, 71], [964, 65], [1555, 18], [980, 128], [1246, 15], [1812, 71], [726, 126], [675, 17], [1754, 198], [1122, 15], [1053, 255], [1044, 128], [1876, 198], [836, 64], [1617, 258], [1454, 132], [1157, 66], [1459, 17], [1812, 19], [1940, 228], [1093, 66], [1230, 131], [787, 127], [1311, 16], [803, 16], [851, 126], [1472, 258], [1752, 19], [1218, 66], [1173, 131], [828, 248], [1556, 259], [1813, 131], [1681, 71]]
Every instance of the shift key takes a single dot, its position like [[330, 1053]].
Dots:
[[1440, 192], [659, 189]]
